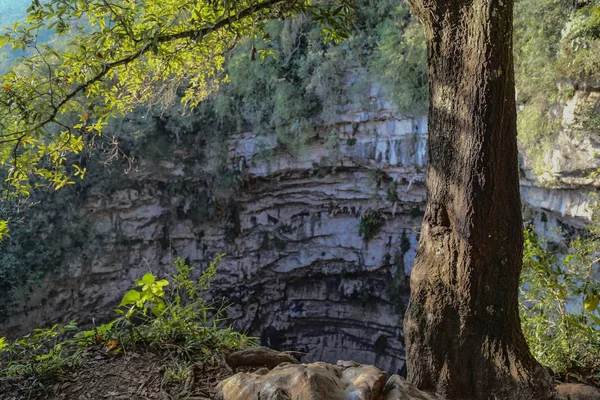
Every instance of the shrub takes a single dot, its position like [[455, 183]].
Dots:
[[559, 304], [166, 315], [44, 231], [581, 44], [369, 226]]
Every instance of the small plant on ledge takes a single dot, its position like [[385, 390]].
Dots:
[[370, 223]]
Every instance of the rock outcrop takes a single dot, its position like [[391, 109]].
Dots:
[[347, 380], [258, 357], [319, 381]]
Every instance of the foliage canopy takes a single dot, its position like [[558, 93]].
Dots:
[[116, 55]]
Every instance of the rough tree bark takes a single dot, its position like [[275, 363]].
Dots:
[[462, 325]]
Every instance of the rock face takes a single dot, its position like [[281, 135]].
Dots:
[[560, 195], [573, 160], [319, 246], [319, 381]]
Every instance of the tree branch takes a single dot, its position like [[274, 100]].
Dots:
[[189, 34]]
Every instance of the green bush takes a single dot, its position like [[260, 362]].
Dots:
[[537, 130], [166, 315], [303, 81], [581, 44], [559, 304]]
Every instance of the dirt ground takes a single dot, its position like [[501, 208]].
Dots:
[[132, 376]]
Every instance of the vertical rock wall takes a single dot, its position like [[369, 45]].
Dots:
[[298, 274], [319, 245]]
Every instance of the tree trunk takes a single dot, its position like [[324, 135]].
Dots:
[[462, 325]]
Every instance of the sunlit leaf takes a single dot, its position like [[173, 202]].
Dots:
[[591, 302], [147, 279], [130, 297]]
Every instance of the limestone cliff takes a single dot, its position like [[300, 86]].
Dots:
[[319, 245]]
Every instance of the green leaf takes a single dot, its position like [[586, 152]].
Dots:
[[595, 318], [162, 283], [158, 309], [147, 279], [157, 291], [130, 297], [3, 229], [591, 302]]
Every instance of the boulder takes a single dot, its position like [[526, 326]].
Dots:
[[576, 391], [258, 357], [397, 388], [318, 381]]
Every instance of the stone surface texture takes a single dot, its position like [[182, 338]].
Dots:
[[319, 381], [576, 391], [258, 357]]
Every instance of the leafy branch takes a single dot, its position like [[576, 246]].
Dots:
[[112, 57]]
